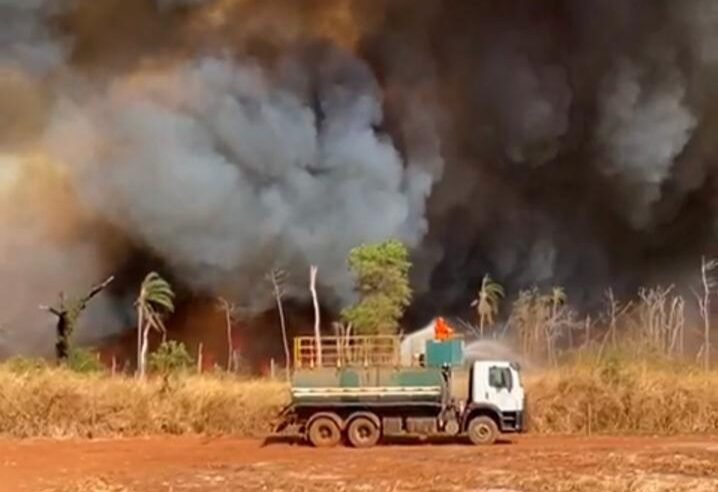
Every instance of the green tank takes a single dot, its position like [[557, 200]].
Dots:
[[375, 374]]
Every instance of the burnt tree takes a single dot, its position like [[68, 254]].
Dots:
[[68, 311]]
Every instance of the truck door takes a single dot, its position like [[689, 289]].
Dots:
[[498, 385]]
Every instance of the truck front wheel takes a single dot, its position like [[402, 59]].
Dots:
[[363, 432], [324, 432], [482, 430]]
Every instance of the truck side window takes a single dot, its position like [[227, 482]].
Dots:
[[500, 377]]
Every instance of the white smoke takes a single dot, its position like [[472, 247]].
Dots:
[[224, 174], [644, 126], [26, 40]]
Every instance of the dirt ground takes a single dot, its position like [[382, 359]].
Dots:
[[529, 463]]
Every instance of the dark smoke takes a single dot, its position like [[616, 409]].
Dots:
[[546, 142]]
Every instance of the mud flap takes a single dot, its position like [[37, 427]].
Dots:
[[285, 417]]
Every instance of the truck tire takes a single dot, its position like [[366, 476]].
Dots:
[[482, 430], [324, 432], [363, 432]]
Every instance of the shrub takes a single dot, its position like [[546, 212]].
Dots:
[[170, 358], [84, 361], [20, 364]]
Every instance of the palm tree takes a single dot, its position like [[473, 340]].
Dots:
[[487, 301], [155, 300]]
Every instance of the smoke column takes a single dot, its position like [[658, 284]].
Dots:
[[545, 142]]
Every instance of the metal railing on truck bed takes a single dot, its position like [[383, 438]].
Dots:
[[338, 351]]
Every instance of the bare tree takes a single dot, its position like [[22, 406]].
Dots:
[[68, 311], [231, 313], [541, 320], [278, 279], [658, 319], [343, 333], [708, 283], [613, 307], [317, 321]]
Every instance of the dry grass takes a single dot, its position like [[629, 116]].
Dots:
[[58, 403], [618, 397], [613, 396]]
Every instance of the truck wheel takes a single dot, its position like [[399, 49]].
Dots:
[[363, 433], [324, 433], [482, 431]]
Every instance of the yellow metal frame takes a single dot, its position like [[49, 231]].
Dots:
[[337, 351]]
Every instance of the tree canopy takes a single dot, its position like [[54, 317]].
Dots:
[[381, 273]]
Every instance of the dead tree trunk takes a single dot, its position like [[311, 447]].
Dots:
[[317, 321], [140, 328], [707, 267], [228, 321], [68, 313], [228, 310], [276, 277]]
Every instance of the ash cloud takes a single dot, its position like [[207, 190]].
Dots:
[[222, 173], [543, 142], [27, 39]]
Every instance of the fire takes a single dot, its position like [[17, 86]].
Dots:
[[10, 173], [35, 189], [334, 20]]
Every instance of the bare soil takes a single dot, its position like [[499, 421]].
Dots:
[[530, 463]]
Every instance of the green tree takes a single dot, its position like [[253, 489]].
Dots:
[[155, 300], [487, 302], [381, 273]]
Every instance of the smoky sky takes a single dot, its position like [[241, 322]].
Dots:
[[545, 142]]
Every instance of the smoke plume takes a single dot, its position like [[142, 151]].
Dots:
[[543, 142]]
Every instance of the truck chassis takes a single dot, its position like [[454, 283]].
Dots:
[[364, 425]]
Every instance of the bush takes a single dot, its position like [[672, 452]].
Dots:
[[20, 364], [84, 361], [170, 358]]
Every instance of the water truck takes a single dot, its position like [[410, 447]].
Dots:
[[356, 390]]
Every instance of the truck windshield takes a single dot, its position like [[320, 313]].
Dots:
[[500, 378]]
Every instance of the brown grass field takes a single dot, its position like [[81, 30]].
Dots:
[[608, 398]]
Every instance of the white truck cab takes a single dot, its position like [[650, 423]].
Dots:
[[496, 401], [498, 384]]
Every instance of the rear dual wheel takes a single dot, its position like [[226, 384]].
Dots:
[[324, 432], [363, 432]]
